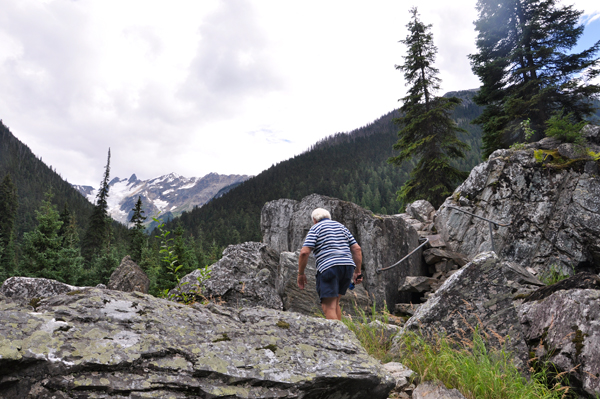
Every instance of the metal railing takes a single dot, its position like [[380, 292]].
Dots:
[[403, 259], [490, 223]]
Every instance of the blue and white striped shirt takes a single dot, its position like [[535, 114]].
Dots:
[[331, 242]]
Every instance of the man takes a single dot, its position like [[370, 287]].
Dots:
[[339, 261]]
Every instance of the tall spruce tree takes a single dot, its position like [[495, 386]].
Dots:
[[428, 133], [97, 234], [8, 213], [527, 70], [137, 235]]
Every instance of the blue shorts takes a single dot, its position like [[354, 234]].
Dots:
[[334, 281]]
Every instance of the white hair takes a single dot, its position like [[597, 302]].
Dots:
[[320, 214]]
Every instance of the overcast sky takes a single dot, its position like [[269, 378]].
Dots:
[[194, 87]]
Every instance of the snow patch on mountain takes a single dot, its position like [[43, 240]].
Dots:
[[170, 193]]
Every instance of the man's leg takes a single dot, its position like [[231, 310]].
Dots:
[[330, 308], [338, 308]]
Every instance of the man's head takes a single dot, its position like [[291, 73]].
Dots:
[[320, 214]]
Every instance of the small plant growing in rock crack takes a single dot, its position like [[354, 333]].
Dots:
[[554, 275], [34, 303], [169, 257]]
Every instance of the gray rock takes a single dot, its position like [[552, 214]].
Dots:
[[421, 210], [384, 240], [418, 284], [572, 151], [406, 308], [400, 373], [245, 276], [431, 390], [115, 345], [591, 133], [563, 328], [481, 293], [307, 301], [129, 277], [553, 215], [385, 331], [435, 255], [435, 241], [547, 143], [27, 287]]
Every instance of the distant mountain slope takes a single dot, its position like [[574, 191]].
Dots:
[[351, 166], [165, 196], [33, 178]]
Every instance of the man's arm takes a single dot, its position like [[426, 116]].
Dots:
[[357, 258], [302, 262]]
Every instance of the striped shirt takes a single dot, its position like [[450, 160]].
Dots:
[[331, 242]]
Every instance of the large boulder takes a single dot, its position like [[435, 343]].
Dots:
[[384, 240], [28, 287], [129, 277], [563, 329], [307, 301], [480, 294], [114, 345], [245, 276], [553, 213]]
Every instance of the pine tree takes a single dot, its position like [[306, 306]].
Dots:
[[428, 133], [8, 213], [97, 235], [43, 252], [138, 238], [526, 70]]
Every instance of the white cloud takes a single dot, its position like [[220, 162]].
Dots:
[[208, 86]]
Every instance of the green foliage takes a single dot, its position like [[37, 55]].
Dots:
[[564, 128], [8, 213], [97, 235], [44, 251], [428, 132], [472, 368], [372, 336], [554, 274], [528, 132], [527, 69], [138, 237]]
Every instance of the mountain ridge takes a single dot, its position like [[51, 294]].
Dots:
[[165, 196]]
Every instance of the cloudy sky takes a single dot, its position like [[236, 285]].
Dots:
[[194, 87]]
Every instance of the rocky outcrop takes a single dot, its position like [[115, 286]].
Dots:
[[129, 277], [27, 287], [553, 212], [563, 329], [384, 240], [116, 345], [245, 276], [480, 294], [307, 301]]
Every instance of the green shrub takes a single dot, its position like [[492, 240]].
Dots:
[[562, 127]]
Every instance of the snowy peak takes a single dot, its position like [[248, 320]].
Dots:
[[168, 195]]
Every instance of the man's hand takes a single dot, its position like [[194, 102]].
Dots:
[[302, 262], [301, 281], [356, 278]]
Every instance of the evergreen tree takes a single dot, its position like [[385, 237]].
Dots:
[[428, 132], [8, 214], [97, 235], [526, 70], [43, 252], [138, 238]]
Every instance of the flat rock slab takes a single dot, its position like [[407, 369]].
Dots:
[[108, 344]]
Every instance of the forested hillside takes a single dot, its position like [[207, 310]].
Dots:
[[350, 166], [33, 179]]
